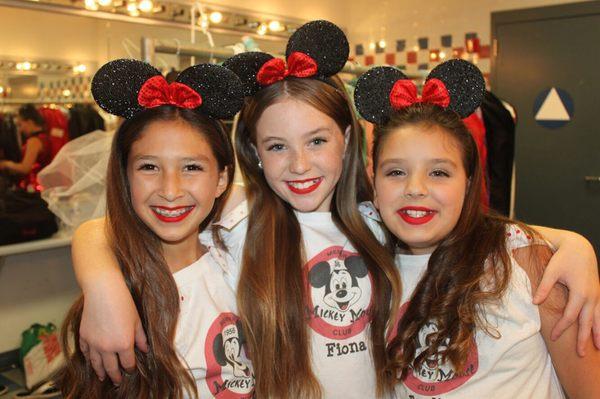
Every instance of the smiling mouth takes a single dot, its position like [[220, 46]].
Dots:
[[172, 215], [416, 216], [304, 186]]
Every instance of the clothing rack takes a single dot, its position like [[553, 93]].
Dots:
[[151, 47]]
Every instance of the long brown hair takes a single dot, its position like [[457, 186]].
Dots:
[[159, 373], [474, 253], [272, 297]]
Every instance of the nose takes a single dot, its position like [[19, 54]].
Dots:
[[300, 162], [171, 186], [415, 187]]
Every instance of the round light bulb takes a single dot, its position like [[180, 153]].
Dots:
[[276, 26], [216, 17], [132, 9], [105, 3], [91, 5], [262, 29], [382, 43], [66, 93], [145, 5], [81, 68], [372, 45], [1, 89]]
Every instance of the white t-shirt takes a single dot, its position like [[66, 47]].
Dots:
[[517, 365], [209, 337], [340, 299]]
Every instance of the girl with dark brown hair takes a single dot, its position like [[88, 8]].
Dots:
[[468, 327], [316, 286], [170, 168]]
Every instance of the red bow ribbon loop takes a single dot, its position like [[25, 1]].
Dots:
[[156, 91], [299, 65], [404, 94]]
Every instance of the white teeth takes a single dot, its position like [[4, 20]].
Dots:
[[303, 185], [171, 214], [416, 214]]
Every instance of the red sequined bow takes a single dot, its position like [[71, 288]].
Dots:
[[156, 91], [299, 64], [404, 94]]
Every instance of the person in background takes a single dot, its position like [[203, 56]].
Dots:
[[36, 150]]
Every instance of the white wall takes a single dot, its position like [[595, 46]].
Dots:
[[393, 20], [34, 287]]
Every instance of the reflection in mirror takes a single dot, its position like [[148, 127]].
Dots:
[[53, 169]]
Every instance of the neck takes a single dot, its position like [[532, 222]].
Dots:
[[180, 254]]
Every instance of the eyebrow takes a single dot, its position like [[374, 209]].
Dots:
[[309, 133], [434, 161], [198, 157]]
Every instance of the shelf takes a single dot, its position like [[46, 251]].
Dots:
[[56, 241]]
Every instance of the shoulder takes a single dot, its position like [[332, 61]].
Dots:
[[34, 143], [372, 219], [530, 252], [94, 230]]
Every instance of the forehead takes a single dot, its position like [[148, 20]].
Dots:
[[172, 138], [291, 118], [421, 142]]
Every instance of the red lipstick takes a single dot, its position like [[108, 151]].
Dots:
[[408, 214], [304, 190], [164, 217]]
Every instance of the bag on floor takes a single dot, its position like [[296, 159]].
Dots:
[[24, 217], [40, 353]]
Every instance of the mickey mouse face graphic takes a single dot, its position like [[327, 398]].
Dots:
[[340, 281], [228, 349], [433, 362]]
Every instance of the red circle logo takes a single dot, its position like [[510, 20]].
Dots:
[[340, 293], [229, 373]]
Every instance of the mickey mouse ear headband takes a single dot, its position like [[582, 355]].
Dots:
[[456, 85], [318, 49], [125, 87]]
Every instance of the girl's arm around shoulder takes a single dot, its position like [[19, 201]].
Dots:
[[580, 376], [575, 265], [110, 324]]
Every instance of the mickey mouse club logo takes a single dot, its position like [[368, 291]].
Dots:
[[229, 373], [340, 293], [436, 377]]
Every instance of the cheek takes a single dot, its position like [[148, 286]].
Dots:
[[453, 198]]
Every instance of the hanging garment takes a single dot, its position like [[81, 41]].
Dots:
[[474, 123], [57, 128], [83, 118], [500, 138], [9, 143]]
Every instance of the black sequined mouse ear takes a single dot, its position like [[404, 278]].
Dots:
[[372, 93], [220, 89], [246, 67], [324, 42], [116, 86], [464, 83]]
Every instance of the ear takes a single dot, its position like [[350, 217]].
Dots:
[[218, 350], [319, 274], [255, 151], [375, 199], [356, 266], [223, 181]]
